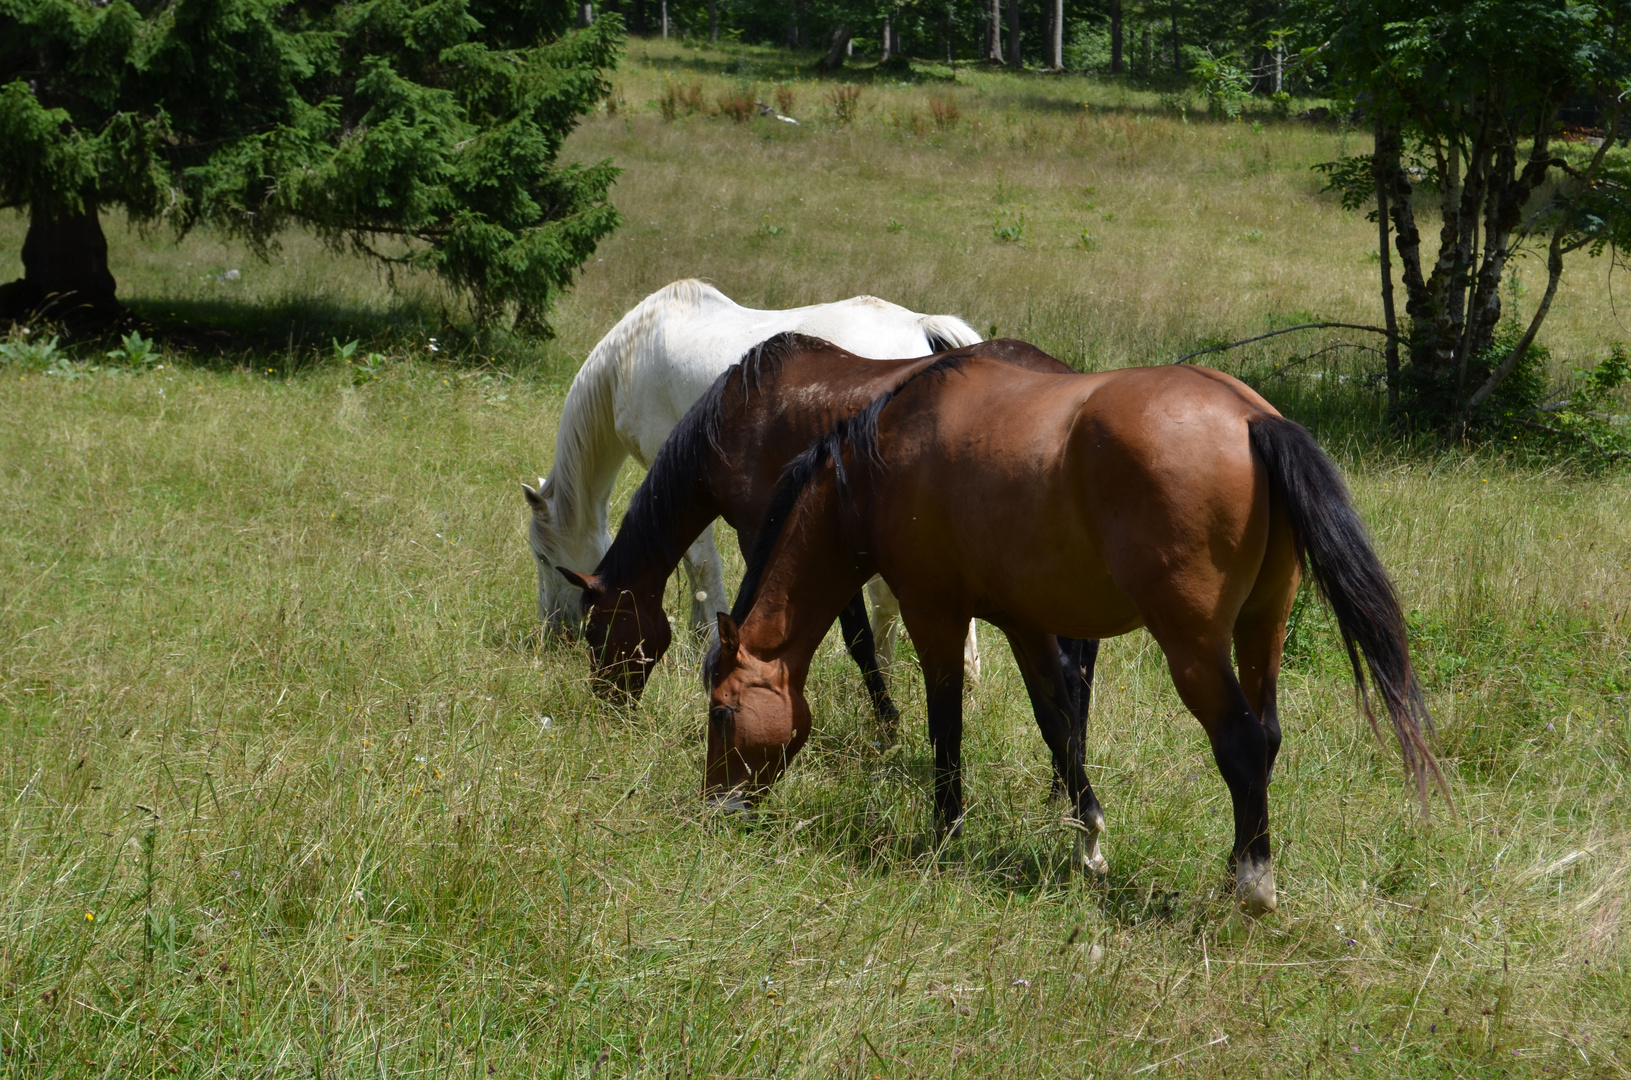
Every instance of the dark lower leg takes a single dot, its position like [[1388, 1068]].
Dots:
[[857, 631], [1077, 656], [1240, 746], [945, 693], [1048, 676], [1258, 642]]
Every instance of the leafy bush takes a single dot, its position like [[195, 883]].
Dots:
[[1594, 412], [1226, 86]]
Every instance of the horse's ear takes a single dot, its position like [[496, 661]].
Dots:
[[535, 499], [587, 582], [730, 642]]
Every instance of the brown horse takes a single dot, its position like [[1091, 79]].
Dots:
[[1171, 498], [723, 459]]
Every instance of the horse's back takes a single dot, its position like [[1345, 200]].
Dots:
[[1092, 483], [690, 343]]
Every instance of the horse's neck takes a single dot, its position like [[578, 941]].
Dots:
[[813, 575], [656, 533]]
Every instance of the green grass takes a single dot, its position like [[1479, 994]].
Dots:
[[275, 714]]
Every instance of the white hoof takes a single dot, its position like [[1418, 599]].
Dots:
[[1254, 887], [1086, 856]]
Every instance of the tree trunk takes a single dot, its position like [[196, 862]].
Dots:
[[993, 33], [713, 20], [1177, 59], [1384, 163], [65, 269], [1118, 64], [1056, 40], [586, 14], [883, 58], [665, 20], [838, 49], [1014, 60]]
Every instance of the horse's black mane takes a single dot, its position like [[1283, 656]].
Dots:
[[858, 434], [686, 453]]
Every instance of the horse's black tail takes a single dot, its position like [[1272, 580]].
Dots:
[[1337, 552]]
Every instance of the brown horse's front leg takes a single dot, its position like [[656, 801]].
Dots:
[[939, 645]]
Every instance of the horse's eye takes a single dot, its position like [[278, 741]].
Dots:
[[721, 715]]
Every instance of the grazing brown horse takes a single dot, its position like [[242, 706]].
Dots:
[[1170, 498], [723, 459]]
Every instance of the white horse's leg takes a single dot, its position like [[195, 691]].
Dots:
[[885, 622], [706, 576], [886, 628]]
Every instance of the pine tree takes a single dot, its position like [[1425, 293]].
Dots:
[[422, 132]]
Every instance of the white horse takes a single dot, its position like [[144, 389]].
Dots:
[[633, 389]]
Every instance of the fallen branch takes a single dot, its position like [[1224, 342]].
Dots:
[[1287, 330]]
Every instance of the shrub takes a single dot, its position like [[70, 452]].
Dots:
[[1225, 85], [946, 113], [676, 99], [738, 105], [784, 99], [846, 102]]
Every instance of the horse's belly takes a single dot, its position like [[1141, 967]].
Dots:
[[1046, 574]]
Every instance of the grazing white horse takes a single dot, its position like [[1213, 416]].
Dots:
[[639, 381]]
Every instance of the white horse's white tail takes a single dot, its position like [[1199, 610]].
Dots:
[[948, 332]]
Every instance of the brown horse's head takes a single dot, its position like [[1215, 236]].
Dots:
[[625, 639], [757, 720]]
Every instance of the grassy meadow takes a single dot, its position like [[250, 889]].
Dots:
[[294, 787]]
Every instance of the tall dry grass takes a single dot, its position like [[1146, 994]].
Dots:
[[293, 786]]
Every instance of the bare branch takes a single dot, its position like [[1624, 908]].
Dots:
[[1287, 330]]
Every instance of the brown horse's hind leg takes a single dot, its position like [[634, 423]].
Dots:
[[1260, 631], [1240, 746], [1060, 715]]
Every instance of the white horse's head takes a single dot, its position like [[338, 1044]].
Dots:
[[558, 601]]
